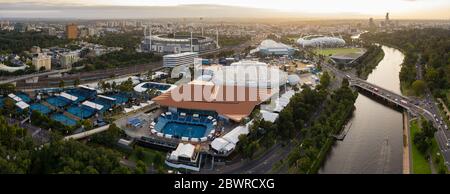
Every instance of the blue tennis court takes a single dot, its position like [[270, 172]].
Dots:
[[184, 129], [24, 97], [64, 119], [81, 112], [120, 98], [40, 108], [157, 86], [58, 101]]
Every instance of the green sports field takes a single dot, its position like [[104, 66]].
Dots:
[[351, 52]]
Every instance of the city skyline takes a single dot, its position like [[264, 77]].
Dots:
[[346, 9]]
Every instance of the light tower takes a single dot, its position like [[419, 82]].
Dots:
[[192, 49], [217, 38]]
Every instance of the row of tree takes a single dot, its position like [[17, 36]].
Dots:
[[429, 47], [115, 59], [18, 154], [17, 42]]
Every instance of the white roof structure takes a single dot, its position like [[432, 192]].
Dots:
[[293, 79], [269, 116], [228, 141], [250, 74], [22, 105], [269, 46], [106, 97], [320, 41], [183, 150], [68, 96], [280, 103], [86, 87], [14, 97], [93, 105]]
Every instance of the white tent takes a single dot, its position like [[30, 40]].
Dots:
[[228, 141], [269, 116], [14, 97], [183, 150], [93, 105], [22, 105], [68, 96]]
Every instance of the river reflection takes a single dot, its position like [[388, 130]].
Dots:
[[374, 141]]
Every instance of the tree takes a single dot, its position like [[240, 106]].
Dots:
[[150, 75], [345, 83], [325, 80], [140, 154], [141, 168], [6, 89], [76, 82], [61, 83], [419, 87], [109, 137]]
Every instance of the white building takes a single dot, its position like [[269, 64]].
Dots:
[[174, 60], [42, 61], [67, 59], [184, 157]]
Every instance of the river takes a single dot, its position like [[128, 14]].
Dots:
[[374, 140]]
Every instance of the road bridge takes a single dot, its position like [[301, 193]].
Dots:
[[413, 106]]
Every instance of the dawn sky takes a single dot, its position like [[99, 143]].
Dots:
[[408, 8]]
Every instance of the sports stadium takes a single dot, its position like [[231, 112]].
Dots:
[[177, 44], [320, 41]]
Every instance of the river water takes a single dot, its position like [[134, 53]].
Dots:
[[374, 140]]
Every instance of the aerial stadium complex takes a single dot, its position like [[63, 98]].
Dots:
[[270, 47], [177, 44], [320, 41], [207, 111]]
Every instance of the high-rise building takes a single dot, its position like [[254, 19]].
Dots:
[[42, 61], [174, 60], [371, 23], [387, 17], [72, 31]]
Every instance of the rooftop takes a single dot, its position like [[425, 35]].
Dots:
[[233, 102]]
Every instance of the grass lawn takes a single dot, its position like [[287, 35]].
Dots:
[[419, 163], [406, 89], [437, 157], [338, 51]]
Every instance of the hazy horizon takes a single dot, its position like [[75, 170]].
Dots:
[[303, 9]]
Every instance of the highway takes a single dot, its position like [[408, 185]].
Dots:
[[426, 107], [29, 76]]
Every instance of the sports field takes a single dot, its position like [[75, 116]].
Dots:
[[350, 52]]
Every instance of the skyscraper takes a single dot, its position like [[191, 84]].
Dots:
[[72, 31]]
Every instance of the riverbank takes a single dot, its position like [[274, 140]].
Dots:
[[406, 144]]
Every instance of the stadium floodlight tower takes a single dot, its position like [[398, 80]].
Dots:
[[192, 49], [217, 38]]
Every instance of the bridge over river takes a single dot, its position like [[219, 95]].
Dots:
[[414, 107]]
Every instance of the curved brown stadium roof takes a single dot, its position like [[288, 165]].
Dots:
[[233, 102]]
